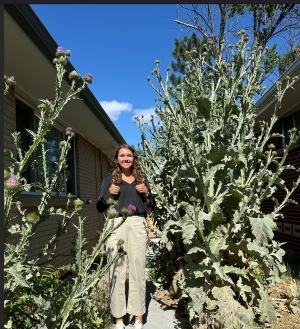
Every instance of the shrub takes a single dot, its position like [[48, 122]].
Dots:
[[210, 173]]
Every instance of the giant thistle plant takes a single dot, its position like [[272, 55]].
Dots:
[[27, 304], [210, 173]]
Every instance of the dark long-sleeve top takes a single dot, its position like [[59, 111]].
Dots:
[[127, 196]]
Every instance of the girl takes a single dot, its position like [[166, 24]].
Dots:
[[127, 184]]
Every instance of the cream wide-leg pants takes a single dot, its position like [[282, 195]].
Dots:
[[134, 233]]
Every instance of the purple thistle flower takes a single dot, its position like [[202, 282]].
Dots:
[[195, 101], [121, 248], [59, 49], [131, 207], [194, 49], [69, 131], [13, 180], [209, 40], [88, 78], [12, 184], [260, 47], [11, 80], [88, 201], [246, 36]]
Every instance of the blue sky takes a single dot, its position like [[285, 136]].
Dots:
[[118, 44]]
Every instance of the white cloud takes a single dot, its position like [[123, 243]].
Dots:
[[114, 108], [146, 113]]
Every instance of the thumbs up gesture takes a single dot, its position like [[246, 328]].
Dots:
[[114, 189], [142, 188]]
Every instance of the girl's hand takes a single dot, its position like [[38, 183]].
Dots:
[[142, 188], [114, 189]]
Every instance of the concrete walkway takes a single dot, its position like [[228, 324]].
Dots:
[[157, 317]]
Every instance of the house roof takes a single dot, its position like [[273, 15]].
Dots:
[[29, 50], [290, 101]]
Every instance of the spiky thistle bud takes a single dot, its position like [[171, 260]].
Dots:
[[33, 218], [63, 144], [110, 201], [6, 174], [62, 60], [78, 203], [120, 242], [41, 106]]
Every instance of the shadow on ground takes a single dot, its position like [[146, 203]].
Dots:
[[165, 316]]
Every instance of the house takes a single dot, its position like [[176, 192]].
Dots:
[[29, 50], [289, 117]]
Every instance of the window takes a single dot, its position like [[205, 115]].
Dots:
[[288, 123], [25, 118]]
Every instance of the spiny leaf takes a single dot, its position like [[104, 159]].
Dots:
[[197, 298], [266, 306], [188, 233], [262, 228]]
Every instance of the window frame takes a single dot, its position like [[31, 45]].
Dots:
[[33, 119]]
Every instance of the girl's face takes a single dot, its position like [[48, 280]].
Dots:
[[125, 159]]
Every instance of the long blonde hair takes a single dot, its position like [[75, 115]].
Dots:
[[136, 168]]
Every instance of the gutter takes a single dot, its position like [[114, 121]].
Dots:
[[24, 15]]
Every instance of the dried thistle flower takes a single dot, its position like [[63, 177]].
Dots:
[[74, 75], [113, 213]]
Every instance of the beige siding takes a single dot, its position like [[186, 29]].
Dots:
[[91, 167], [9, 123]]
